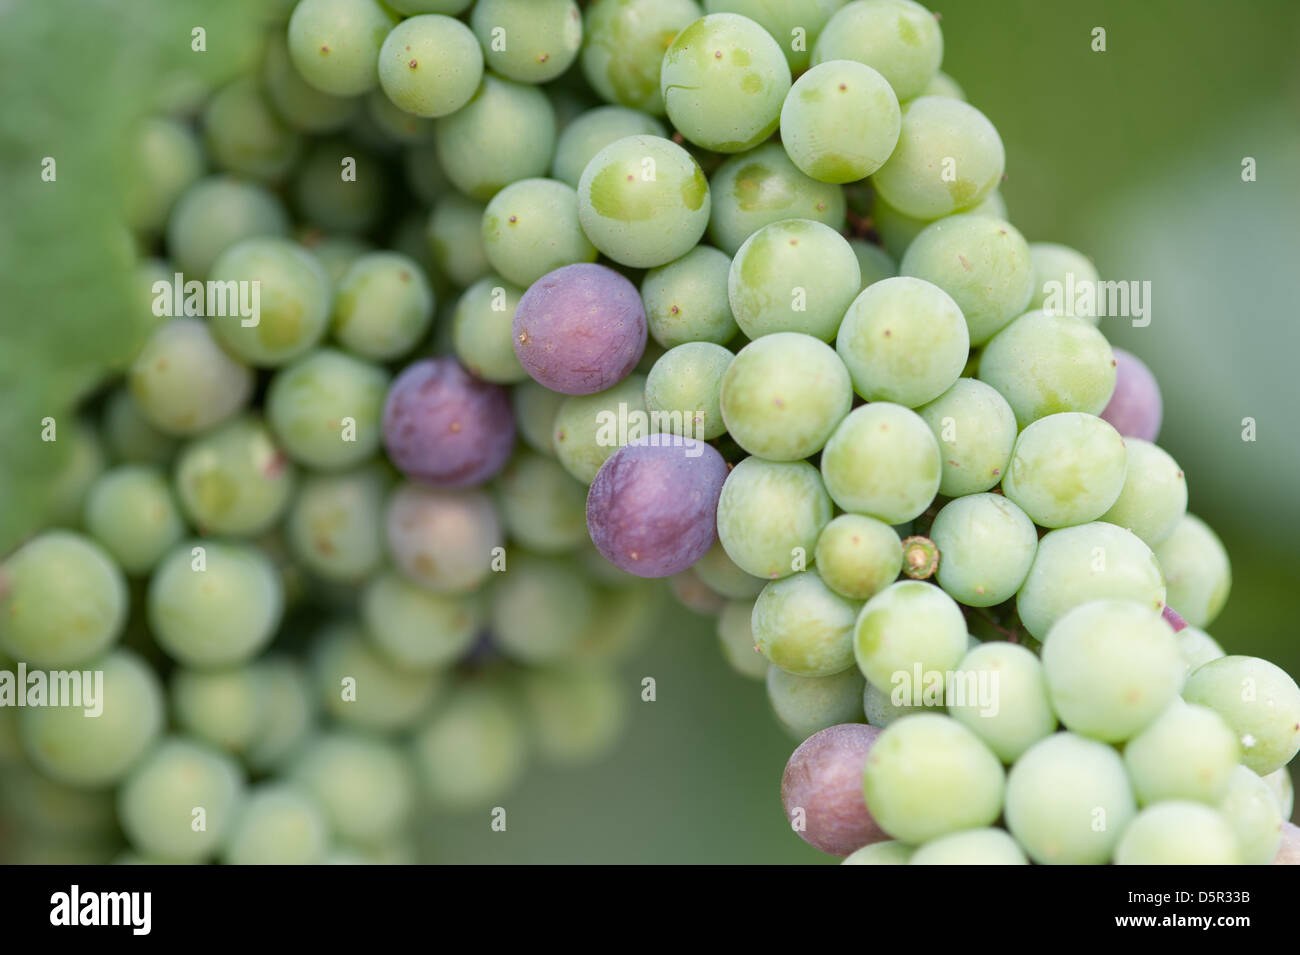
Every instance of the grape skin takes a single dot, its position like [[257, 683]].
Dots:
[[804, 627], [771, 512], [1259, 700], [823, 778]]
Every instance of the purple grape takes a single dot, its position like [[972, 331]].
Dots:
[[444, 427], [824, 779], [443, 540], [580, 329], [1135, 408], [653, 508]]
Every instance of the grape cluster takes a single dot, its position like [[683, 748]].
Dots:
[[558, 303]]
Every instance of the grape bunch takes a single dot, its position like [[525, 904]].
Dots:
[[556, 304]]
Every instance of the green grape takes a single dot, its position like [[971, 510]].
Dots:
[[214, 214], [424, 175], [532, 41], [1154, 496], [340, 187], [804, 627], [1072, 368], [783, 396], [443, 541], [1197, 647], [214, 604], [335, 43], [1092, 561], [1066, 268], [976, 431], [888, 852], [411, 7], [506, 132], [430, 65], [130, 438], [278, 824], [840, 122], [542, 507], [1112, 667], [795, 275], [723, 82], [1179, 833], [359, 687], [225, 708], [456, 238], [874, 263], [736, 638], [183, 382], [365, 785], [794, 24], [944, 85], [949, 157], [166, 160], [808, 704], [972, 847], [63, 600], [325, 408], [770, 514], [899, 38], [858, 556], [416, 629], [1280, 785], [763, 186], [178, 783], [643, 201], [535, 408], [903, 340], [683, 391], [539, 608], [301, 105], [1188, 752], [686, 300], [694, 594], [294, 301], [623, 618], [473, 751], [335, 526], [51, 810], [721, 575], [591, 132], [1196, 570], [68, 744], [245, 137], [80, 467], [1254, 815], [624, 46], [883, 461], [1068, 801], [1016, 713], [585, 429], [576, 715], [290, 713], [531, 227], [385, 123], [897, 231], [336, 253], [131, 512], [1258, 700], [928, 776], [982, 262], [910, 630], [384, 306], [986, 547], [1066, 469], [234, 480], [482, 330]]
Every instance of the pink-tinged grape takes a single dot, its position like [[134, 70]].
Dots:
[[1045, 365], [1069, 800], [335, 43], [899, 38], [1154, 497], [840, 122], [736, 638], [1059, 272], [858, 556], [1197, 647], [808, 704], [441, 540], [928, 775], [883, 461], [652, 509], [1254, 815], [821, 789], [909, 624], [183, 382], [542, 37], [580, 329], [444, 427], [1135, 407], [430, 65], [770, 514], [686, 300], [506, 132], [1015, 712], [1066, 469], [888, 852], [976, 430], [1196, 570], [804, 627], [1173, 618], [783, 396], [623, 49], [1179, 833], [591, 132], [1112, 667], [1259, 700], [1189, 752], [986, 547], [531, 228], [971, 847]]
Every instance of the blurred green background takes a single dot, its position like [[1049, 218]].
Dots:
[[1132, 155]]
